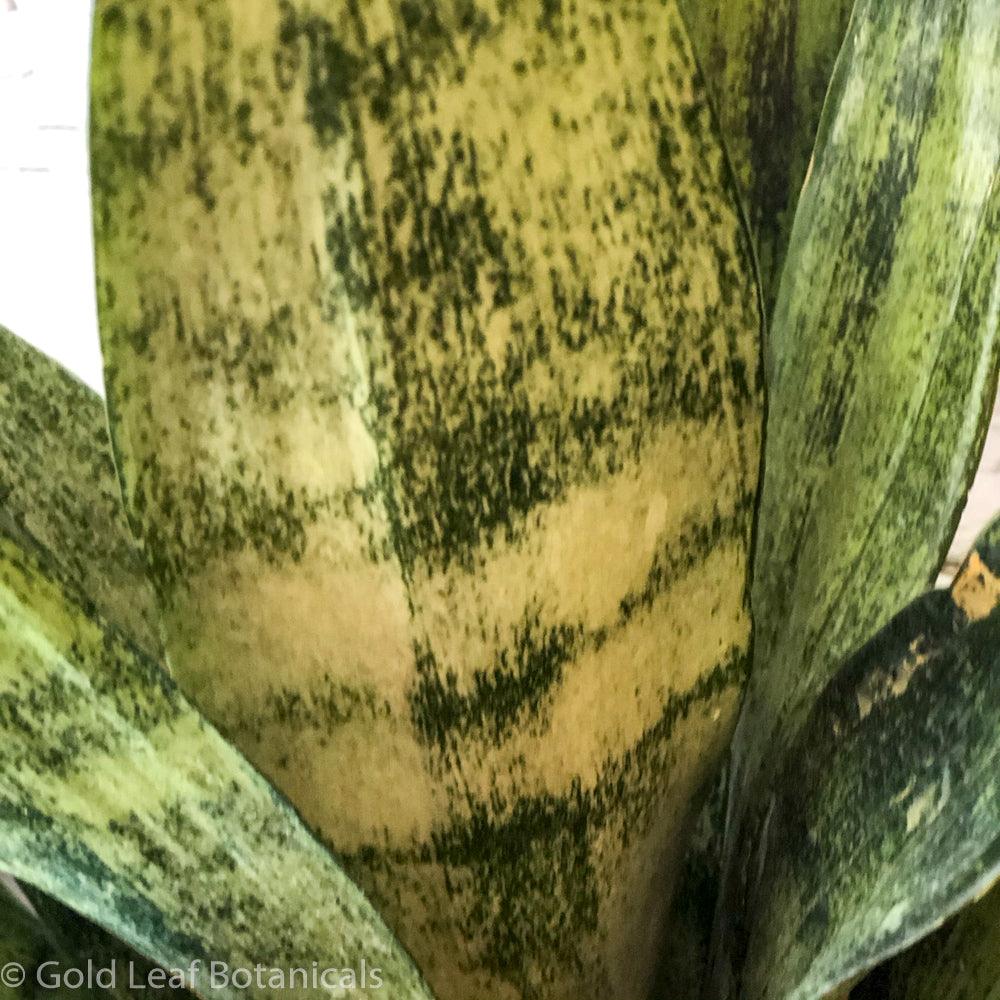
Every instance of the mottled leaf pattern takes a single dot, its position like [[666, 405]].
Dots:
[[962, 960], [886, 336], [57, 475], [432, 343], [768, 64], [116, 797], [882, 356], [885, 818]]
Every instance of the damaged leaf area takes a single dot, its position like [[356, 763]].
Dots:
[[116, 797], [885, 817], [432, 345], [962, 960]]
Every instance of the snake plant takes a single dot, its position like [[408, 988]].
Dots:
[[500, 567]]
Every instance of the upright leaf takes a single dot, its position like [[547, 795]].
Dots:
[[768, 64], [432, 346], [115, 796], [885, 818], [883, 353]]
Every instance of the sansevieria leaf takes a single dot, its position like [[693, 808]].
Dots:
[[768, 64], [886, 333], [959, 962], [962, 960], [58, 486], [118, 799], [69, 500], [882, 358], [432, 341], [885, 818]]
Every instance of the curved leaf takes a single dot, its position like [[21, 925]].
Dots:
[[885, 818], [768, 64], [58, 487], [432, 343], [115, 796], [959, 962], [883, 359]]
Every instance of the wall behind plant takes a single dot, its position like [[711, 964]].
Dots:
[[46, 256]]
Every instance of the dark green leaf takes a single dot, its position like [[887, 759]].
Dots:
[[885, 819], [882, 359]]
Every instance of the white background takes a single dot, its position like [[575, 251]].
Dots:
[[46, 256], [46, 259]]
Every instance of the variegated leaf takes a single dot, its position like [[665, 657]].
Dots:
[[882, 360], [884, 819], [433, 344], [962, 960], [768, 64], [883, 355], [58, 487], [116, 797]]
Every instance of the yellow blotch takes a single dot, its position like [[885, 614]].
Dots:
[[892, 683], [574, 561], [976, 589], [332, 615]]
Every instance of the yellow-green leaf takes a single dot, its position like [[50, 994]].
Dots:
[[768, 64], [116, 797], [58, 487], [883, 355], [884, 819], [432, 342], [882, 358]]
